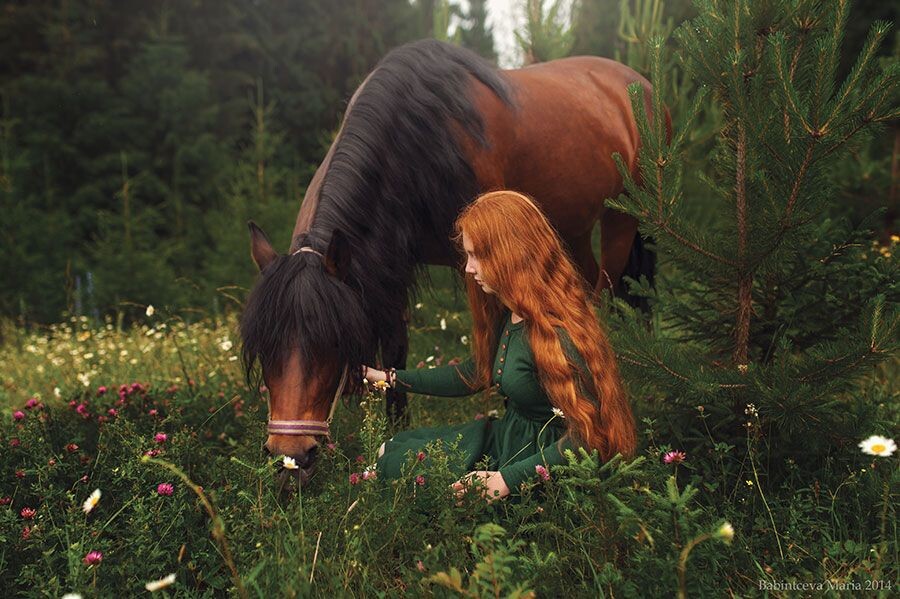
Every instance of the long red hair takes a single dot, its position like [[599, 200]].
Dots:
[[523, 260]]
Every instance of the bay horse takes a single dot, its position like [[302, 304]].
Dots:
[[431, 127]]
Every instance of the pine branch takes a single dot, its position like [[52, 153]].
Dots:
[[745, 277]]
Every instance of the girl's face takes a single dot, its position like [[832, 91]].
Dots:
[[473, 266]]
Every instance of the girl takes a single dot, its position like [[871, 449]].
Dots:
[[537, 340]]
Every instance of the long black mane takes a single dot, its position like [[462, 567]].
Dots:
[[397, 180]]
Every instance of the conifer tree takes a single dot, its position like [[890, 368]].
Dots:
[[475, 33], [771, 301], [548, 34]]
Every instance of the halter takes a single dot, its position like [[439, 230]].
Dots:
[[312, 428], [303, 428], [306, 248]]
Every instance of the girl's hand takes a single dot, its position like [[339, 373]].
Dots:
[[373, 375], [494, 485]]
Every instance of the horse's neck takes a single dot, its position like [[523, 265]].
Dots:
[[311, 199]]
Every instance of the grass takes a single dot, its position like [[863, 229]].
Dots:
[[639, 528]]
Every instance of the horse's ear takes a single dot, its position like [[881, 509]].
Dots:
[[337, 257], [262, 251]]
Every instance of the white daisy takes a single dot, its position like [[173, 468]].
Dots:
[[289, 463], [155, 585], [91, 502], [558, 413], [150, 310], [878, 445]]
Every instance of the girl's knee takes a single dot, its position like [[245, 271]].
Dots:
[[381, 450]]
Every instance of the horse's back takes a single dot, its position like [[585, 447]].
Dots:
[[556, 143]]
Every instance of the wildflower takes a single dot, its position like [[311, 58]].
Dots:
[[102, 389], [31, 403], [369, 473], [26, 533], [150, 310], [726, 532], [91, 502], [743, 368], [420, 480], [542, 472], [82, 409], [674, 457], [443, 324], [464, 340], [112, 412], [71, 447], [92, 558], [20, 473], [14, 442], [152, 412], [749, 482], [331, 446], [751, 410], [878, 446], [420, 456], [493, 414], [71, 596], [354, 478], [160, 438], [18, 415], [226, 345], [165, 489], [289, 463], [151, 453], [360, 459], [381, 385], [420, 566], [5, 500], [155, 585], [558, 413], [28, 513]]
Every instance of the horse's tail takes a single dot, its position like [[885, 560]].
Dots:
[[641, 263]]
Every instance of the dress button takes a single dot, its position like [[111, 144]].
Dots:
[[502, 359], [504, 346], [499, 371], [507, 333]]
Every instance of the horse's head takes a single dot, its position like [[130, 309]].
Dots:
[[306, 327]]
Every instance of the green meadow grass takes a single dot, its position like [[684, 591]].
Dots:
[[636, 529]]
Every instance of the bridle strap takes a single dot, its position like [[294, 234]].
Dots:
[[308, 428], [306, 248]]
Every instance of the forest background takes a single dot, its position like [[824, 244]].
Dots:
[[137, 138]]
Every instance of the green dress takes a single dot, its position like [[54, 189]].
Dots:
[[528, 433]]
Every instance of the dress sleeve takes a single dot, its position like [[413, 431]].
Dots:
[[445, 381], [524, 470]]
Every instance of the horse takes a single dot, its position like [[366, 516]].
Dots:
[[431, 127]]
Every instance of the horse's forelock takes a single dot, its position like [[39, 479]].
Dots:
[[297, 306]]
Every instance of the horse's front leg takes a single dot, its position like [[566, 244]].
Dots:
[[394, 351]]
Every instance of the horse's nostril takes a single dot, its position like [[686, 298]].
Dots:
[[310, 457]]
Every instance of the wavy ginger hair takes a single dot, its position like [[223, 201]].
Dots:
[[523, 260]]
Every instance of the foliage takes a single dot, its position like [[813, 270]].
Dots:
[[547, 34], [619, 528]]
